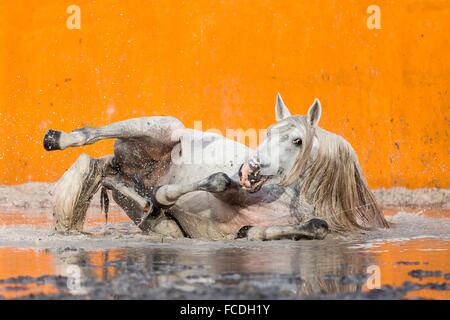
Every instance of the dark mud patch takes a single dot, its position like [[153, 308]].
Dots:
[[428, 274]]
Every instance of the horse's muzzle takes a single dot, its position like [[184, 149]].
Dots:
[[250, 176]]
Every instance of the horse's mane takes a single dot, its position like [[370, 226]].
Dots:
[[333, 183]]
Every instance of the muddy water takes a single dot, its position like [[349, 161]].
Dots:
[[412, 260]]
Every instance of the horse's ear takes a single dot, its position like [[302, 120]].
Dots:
[[281, 111], [314, 112]]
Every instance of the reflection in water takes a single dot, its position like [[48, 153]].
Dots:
[[295, 270], [16, 263], [282, 269], [398, 259], [334, 268]]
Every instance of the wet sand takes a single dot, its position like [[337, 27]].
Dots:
[[413, 260]]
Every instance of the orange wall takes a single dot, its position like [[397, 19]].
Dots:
[[385, 90]]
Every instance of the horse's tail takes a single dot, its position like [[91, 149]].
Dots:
[[73, 193]]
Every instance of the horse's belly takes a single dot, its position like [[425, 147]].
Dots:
[[201, 215], [265, 215]]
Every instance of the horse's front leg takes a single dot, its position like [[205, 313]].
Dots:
[[166, 196], [312, 229], [221, 186], [230, 191]]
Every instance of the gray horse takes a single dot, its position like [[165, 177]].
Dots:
[[301, 181]]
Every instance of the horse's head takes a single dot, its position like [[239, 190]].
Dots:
[[321, 164], [289, 144]]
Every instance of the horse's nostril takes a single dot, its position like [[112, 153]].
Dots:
[[240, 170]]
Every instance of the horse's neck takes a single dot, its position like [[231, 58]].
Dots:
[[298, 185], [298, 204], [274, 205]]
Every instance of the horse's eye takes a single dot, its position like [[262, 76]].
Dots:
[[297, 141]]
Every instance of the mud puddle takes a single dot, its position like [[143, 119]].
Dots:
[[411, 260]]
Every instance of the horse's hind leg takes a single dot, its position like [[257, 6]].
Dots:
[[158, 130], [140, 209], [312, 229], [74, 191]]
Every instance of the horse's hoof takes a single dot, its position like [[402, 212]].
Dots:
[[318, 227], [243, 232], [51, 140], [216, 183]]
